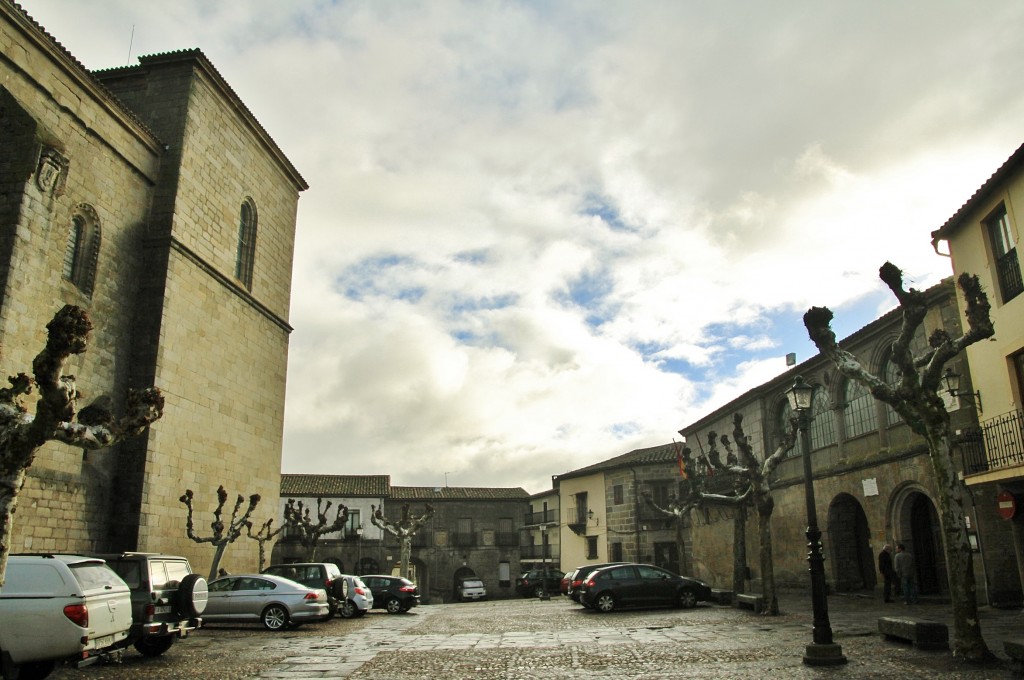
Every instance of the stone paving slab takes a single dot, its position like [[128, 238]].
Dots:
[[555, 640]]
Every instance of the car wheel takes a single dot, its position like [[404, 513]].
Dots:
[[274, 617], [347, 610], [192, 595], [153, 646], [37, 670], [687, 599], [539, 591], [604, 603], [393, 606]]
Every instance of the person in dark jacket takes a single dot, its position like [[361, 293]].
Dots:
[[887, 572]]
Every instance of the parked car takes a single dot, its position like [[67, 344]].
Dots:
[[60, 608], [580, 575], [275, 602], [326, 575], [167, 598], [469, 589], [359, 599], [563, 585], [534, 583], [641, 585], [393, 593]]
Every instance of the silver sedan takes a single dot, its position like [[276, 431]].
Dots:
[[271, 600]]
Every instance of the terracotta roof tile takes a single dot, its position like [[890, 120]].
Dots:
[[665, 453], [335, 485], [428, 493]]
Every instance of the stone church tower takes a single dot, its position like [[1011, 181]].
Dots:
[[152, 197]]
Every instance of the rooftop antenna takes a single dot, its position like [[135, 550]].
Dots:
[[446, 480], [131, 41]]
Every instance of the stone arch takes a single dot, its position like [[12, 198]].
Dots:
[[368, 565], [460, 573], [420, 576], [853, 566], [915, 524]]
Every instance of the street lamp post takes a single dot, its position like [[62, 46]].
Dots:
[[545, 553], [823, 651], [359, 549]]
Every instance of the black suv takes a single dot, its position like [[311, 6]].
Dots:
[[324, 575], [167, 598], [394, 593], [534, 584]]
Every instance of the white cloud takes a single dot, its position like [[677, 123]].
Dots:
[[539, 235]]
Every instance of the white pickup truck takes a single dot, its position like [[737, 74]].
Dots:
[[60, 608]]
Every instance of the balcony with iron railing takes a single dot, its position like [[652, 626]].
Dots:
[[538, 518], [1008, 269], [997, 443], [539, 552]]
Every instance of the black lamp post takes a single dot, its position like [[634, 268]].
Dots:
[[545, 553], [823, 651]]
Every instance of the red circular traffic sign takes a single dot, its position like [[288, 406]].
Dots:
[[1006, 503]]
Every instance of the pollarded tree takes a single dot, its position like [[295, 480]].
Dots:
[[404, 529], [298, 519], [915, 396], [263, 536], [57, 417], [224, 534], [753, 489]]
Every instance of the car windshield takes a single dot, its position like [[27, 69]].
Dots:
[[473, 584], [91, 575]]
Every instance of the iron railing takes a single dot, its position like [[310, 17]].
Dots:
[[998, 443], [538, 552], [545, 517], [1010, 282]]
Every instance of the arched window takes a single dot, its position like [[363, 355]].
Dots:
[[859, 413], [82, 250], [892, 378], [246, 243], [785, 416], [823, 427]]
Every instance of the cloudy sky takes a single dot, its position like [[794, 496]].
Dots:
[[541, 234]]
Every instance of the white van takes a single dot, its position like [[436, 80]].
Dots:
[[57, 608]]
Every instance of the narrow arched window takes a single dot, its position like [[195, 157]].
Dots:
[[785, 417], [82, 250], [823, 427], [246, 243], [892, 378], [859, 413]]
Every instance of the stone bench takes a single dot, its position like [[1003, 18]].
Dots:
[[922, 633], [1015, 650], [755, 602], [721, 596]]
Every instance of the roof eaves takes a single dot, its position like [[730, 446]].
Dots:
[[1011, 164]]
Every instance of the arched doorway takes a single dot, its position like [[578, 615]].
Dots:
[[853, 565], [918, 528], [460, 573], [368, 565]]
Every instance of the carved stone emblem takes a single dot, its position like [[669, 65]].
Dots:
[[52, 171]]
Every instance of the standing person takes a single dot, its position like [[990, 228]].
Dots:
[[887, 572], [904, 565]]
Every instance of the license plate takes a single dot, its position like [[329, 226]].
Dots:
[[162, 610]]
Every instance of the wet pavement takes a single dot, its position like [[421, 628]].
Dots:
[[556, 639]]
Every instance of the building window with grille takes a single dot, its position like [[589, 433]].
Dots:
[[246, 243], [1004, 249], [785, 425], [591, 547], [82, 249], [616, 555], [617, 495], [859, 414]]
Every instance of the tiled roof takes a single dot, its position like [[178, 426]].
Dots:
[[453, 493], [1011, 165], [665, 453], [335, 485]]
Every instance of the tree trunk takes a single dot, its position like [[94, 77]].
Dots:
[[764, 526], [406, 554], [739, 550], [219, 553], [967, 640], [10, 483]]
